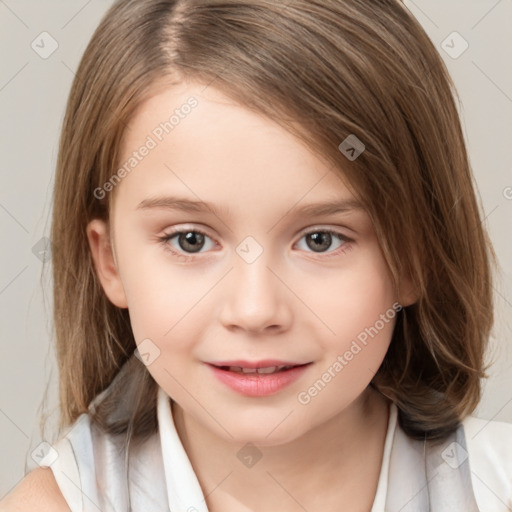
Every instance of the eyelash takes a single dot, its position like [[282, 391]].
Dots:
[[189, 257]]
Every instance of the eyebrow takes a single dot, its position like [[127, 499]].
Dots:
[[188, 205]]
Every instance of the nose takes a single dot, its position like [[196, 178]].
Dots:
[[255, 298]]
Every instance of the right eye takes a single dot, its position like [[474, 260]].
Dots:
[[190, 241]]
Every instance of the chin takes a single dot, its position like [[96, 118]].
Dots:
[[261, 437], [273, 430]]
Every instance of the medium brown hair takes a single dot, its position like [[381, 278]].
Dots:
[[322, 69]]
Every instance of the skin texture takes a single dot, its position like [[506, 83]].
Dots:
[[37, 491], [291, 303]]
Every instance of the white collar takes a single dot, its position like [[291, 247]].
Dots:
[[183, 489]]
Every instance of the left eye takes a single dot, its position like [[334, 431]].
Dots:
[[322, 239], [191, 241]]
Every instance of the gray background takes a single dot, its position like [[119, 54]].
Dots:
[[33, 93]]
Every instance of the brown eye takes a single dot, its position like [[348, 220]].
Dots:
[[185, 242], [190, 241], [320, 241]]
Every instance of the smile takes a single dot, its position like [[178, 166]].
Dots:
[[266, 370], [257, 379]]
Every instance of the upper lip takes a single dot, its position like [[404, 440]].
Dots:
[[264, 363]]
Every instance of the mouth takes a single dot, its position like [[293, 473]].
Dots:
[[265, 367], [262, 370], [258, 378]]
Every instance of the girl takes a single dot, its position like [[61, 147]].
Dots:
[[272, 287]]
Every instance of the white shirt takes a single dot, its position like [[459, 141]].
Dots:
[[89, 468]]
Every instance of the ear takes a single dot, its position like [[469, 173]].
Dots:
[[408, 294], [104, 262]]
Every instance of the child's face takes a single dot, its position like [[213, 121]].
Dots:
[[253, 288]]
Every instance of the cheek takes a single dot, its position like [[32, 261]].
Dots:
[[167, 302], [358, 301], [163, 307], [351, 358], [359, 309], [157, 297]]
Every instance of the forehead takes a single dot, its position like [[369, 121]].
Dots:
[[204, 146]]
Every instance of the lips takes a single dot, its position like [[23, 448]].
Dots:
[[257, 378], [261, 370], [262, 366]]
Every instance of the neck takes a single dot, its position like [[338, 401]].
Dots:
[[338, 460]]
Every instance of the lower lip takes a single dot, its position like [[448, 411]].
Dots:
[[258, 384]]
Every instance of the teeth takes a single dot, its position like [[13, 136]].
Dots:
[[270, 369], [267, 370], [246, 370]]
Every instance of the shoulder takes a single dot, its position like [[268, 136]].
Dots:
[[56, 484], [492, 438], [489, 447], [37, 491]]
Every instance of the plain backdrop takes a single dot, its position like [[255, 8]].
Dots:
[[33, 92]]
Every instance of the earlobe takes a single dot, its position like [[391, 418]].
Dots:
[[104, 262], [408, 293]]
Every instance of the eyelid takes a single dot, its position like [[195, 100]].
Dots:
[[188, 257], [188, 227], [329, 229], [306, 231]]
